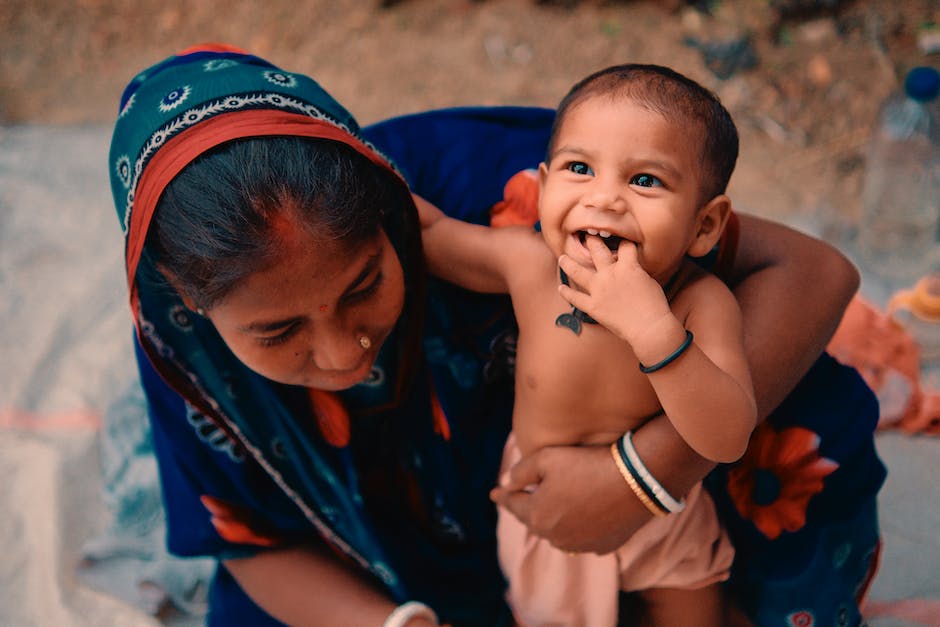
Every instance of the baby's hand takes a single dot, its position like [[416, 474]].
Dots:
[[618, 292]]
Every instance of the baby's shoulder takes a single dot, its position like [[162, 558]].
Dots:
[[531, 256], [700, 288]]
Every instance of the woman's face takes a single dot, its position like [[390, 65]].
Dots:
[[301, 321]]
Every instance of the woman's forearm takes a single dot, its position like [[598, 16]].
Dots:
[[789, 309], [793, 290], [308, 586], [667, 456]]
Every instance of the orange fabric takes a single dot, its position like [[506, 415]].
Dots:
[[520, 203], [888, 359], [332, 417], [791, 456], [441, 425], [236, 523]]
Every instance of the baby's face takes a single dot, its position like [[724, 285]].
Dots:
[[622, 172], [301, 320]]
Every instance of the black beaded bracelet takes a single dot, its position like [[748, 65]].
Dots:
[[671, 358]]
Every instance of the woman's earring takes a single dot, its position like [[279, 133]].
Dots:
[[201, 311], [365, 342]]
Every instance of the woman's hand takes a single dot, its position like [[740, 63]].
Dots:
[[581, 502]]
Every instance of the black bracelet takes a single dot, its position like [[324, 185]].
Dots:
[[674, 356]]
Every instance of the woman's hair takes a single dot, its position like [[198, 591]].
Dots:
[[677, 98], [214, 224]]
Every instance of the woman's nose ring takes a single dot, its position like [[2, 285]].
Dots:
[[365, 342]]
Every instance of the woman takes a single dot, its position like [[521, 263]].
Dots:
[[328, 420]]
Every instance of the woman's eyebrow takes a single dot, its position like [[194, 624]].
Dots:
[[371, 264]]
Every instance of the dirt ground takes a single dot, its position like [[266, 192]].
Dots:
[[803, 85]]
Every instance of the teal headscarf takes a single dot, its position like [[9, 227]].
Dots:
[[169, 115]]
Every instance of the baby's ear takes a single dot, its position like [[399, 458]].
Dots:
[[709, 225]]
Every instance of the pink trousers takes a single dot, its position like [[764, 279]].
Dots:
[[548, 586]]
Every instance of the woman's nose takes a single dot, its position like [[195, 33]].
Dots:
[[334, 349]]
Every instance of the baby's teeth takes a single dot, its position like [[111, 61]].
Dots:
[[592, 231], [605, 233]]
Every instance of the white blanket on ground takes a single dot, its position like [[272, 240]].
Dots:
[[79, 504]]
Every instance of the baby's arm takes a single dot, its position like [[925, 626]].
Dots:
[[709, 397], [475, 257], [706, 391]]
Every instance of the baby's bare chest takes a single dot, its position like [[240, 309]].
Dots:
[[562, 374]]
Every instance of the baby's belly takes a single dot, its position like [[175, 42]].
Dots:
[[587, 414], [576, 389]]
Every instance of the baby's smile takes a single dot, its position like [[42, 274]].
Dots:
[[610, 240]]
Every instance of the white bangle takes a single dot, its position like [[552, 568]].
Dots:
[[647, 477], [406, 611]]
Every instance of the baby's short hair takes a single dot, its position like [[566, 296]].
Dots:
[[677, 98]]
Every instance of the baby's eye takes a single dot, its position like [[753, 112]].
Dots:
[[646, 180], [579, 167]]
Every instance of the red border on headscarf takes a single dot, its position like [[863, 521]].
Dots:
[[211, 47]]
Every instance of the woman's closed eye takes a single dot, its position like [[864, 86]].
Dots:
[[292, 327], [280, 338], [646, 180], [365, 292]]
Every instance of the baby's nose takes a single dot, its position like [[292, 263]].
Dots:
[[606, 195]]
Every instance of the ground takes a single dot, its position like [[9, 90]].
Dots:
[[803, 86]]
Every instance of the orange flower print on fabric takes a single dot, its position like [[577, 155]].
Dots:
[[236, 523], [520, 203], [441, 426], [780, 472], [332, 417]]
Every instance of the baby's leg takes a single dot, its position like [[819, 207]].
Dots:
[[672, 607]]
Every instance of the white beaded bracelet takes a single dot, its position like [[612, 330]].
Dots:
[[406, 611], [647, 477]]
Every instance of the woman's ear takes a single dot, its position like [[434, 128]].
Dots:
[[709, 225]]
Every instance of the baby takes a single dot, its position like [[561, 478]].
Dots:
[[617, 325]]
